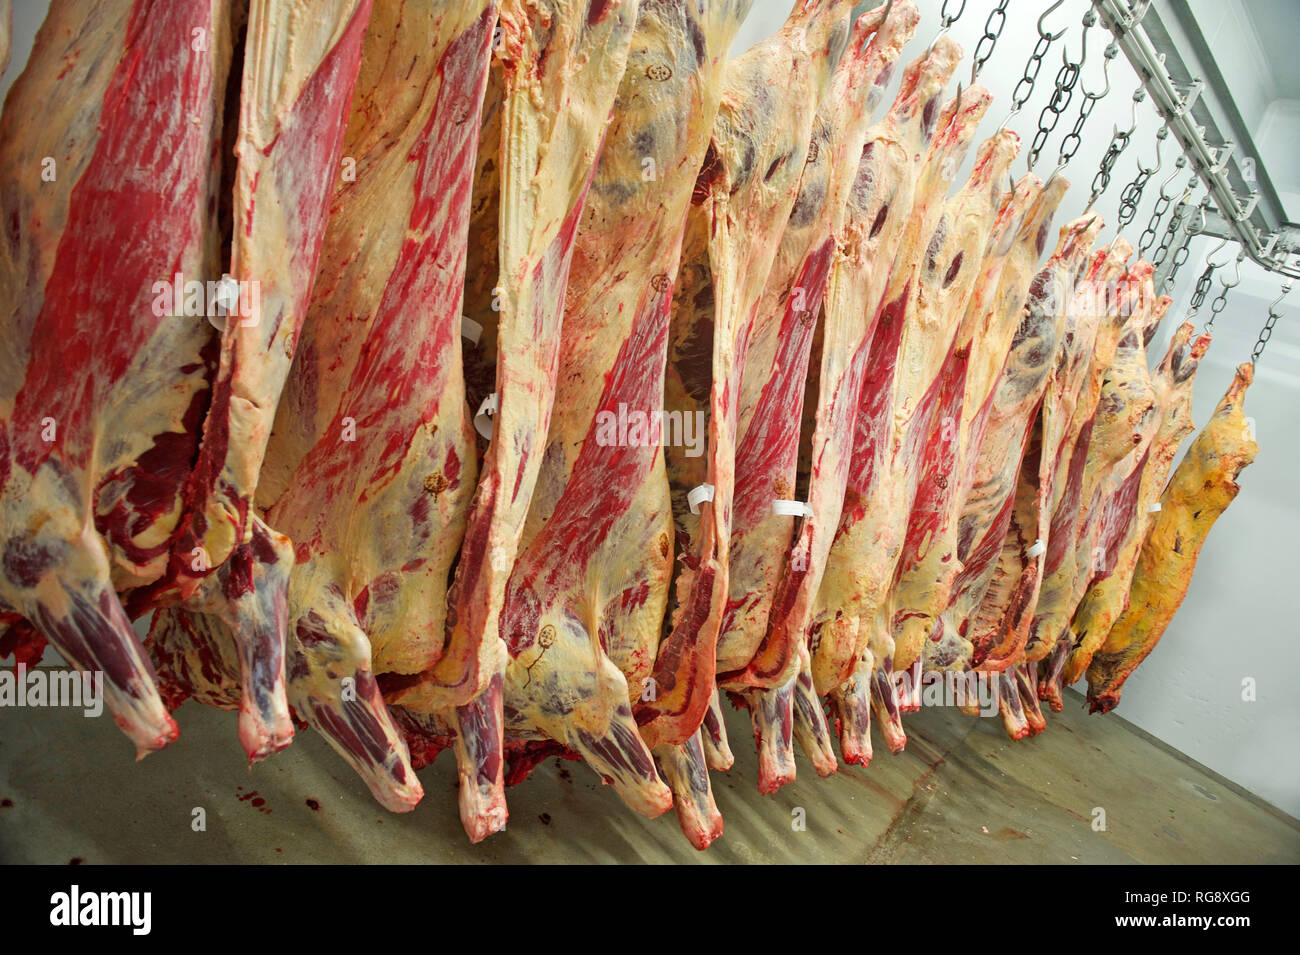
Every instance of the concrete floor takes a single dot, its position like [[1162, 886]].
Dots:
[[962, 792]]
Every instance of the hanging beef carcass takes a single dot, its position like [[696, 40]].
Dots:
[[1112, 418], [744, 195], [1203, 485], [886, 407], [981, 354], [1108, 597], [561, 61], [1124, 426], [299, 69], [589, 588], [776, 363], [999, 626], [1120, 431], [1004, 444], [373, 432], [110, 157], [877, 207], [877, 210]]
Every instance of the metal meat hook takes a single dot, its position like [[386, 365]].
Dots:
[[1046, 13], [884, 17], [1222, 242], [1241, 256], [945, 24], [1272, 308], [1161, 135], [1089, 20], [1179, 164], [1112, 51]]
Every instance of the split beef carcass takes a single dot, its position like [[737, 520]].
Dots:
[[744, 194], [887, 408], [1202, 487], [1004, 443], [776, 363], [999, 626], [1112, 419], [1092, 453], [373, 431], [879, 208], [952, 265], [980, 357], [110, 163], [1125, 424], [1108, 597], [562, 61], [299, 70], [1121, 429], [589, 589]]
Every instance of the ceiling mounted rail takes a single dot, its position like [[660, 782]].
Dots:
[[1191, 97]]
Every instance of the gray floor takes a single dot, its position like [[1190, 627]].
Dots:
[[962, 792]]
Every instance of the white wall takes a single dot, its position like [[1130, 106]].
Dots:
[[1239, 618]]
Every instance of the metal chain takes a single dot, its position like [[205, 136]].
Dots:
[[1175, 221], [984, 48], [1162, 205], [1202, 289], [1181, 255], [1119, 141], [949, 20], [1132, 194], [1067, 77], [1030, 77], [1264, 335], [1074, 138], [1217, 306], [1267, 331], [1221, 300]]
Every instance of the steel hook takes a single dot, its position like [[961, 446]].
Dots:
[[1139, 95], [1272, 308], [1237, 269], [1161, 136], [1222, 242], [1179, 164], [1200, 229], [1056, 172], [1052, 37], [1112, 51], [884, 17], [1089, 20]]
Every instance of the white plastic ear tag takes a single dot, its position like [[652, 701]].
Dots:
[[483, 417], [470, 329], [698, 496], [791, 508], [1157, 506], [1036, 549]]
